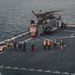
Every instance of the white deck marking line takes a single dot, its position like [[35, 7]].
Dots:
[[1, 66], [65, 73], [37, 70], [7, 67], [48, 71], [62, 37], [22, 69], [38, 45], [19, 35], [13, 38], [52, 41], [1, 52], [72, 73], [69, 30], [55, 37], [56, 72], [15, 68], [31, 70]]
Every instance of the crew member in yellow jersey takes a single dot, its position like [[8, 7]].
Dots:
[[55, 43], [49, 45], [44, 44]]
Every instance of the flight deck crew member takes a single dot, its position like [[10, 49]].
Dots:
[[11, 45], [61, 44], [15, 46], [49, 44], [32, 46], [24, 47], [20, 46], [65, 25], [44, 44], [62, 25], [55, 43], [7, 44]]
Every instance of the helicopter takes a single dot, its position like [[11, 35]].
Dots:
[[46, 22]]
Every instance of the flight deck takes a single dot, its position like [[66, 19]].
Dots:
[[41, 62]]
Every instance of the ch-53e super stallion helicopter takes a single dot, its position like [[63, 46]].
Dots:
[[47, 21]]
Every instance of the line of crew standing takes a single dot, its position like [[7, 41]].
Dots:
[[18, 46], [48, 44]]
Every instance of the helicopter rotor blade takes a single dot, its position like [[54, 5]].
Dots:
[[34, 14], [70, 25], [53, 11]]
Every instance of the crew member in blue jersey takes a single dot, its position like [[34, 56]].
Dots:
[[24, 47], [19, 44], [21, 47], [15, 46]]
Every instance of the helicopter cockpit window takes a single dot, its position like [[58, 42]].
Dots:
[[32, 21], [40, 22]]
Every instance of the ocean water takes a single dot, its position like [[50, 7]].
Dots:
[[16, 14]]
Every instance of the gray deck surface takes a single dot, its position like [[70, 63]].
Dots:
[[41, 62]]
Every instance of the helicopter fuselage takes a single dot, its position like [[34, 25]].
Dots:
[[40, 27]]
